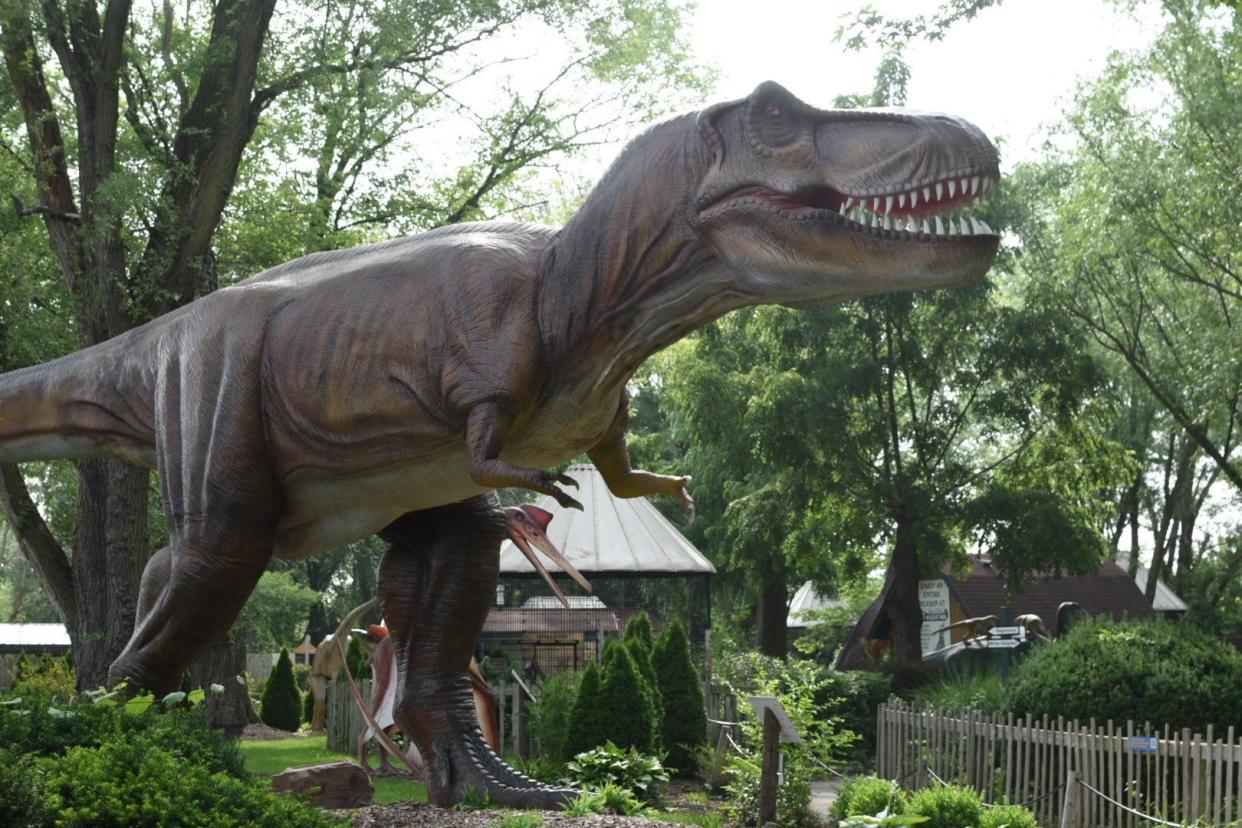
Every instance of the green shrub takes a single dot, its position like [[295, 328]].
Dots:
[[281, 704], [867, 796], [46, 677], [983, 691], [684, 727], [641, 655], [308, 706], [21, 792], [522, 820], [626, 768], [1143, 670], [356, 658], [123, 783], [587, 718], [551, 716], [608, 799], [947, 807], [625, 707], [1007, 816]]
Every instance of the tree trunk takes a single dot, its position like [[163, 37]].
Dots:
[[773, 607], [222, 664], [904, 612], [110, 550]]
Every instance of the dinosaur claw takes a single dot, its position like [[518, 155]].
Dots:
[[567, 480]]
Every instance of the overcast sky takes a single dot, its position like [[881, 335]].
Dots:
[[1010, 70]]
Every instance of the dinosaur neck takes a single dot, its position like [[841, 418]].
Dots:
[[627, 275]]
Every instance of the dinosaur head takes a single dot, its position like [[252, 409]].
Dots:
[[815, 206]]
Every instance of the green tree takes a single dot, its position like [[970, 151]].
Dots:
[[275, 615], [282, 703], [629, 718], [640, 641], [684, 728], [586, 728]]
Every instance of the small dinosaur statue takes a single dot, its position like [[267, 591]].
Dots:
[[975, 627], [392, 387], [328, 662]]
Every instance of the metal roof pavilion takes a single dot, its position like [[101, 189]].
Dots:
[[35, 638], [611, 535]]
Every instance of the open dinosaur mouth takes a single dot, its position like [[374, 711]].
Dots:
[[941, 209]]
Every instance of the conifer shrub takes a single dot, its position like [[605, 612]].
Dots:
[[683, 729], [586, 721], [629, 720], [356, 658], [551, 715], [281, 703]]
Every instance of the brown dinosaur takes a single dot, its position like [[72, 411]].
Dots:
[[395, 385]]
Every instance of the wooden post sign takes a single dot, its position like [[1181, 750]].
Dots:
[[776, 729]]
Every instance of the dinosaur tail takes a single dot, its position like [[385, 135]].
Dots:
[[81, 405]]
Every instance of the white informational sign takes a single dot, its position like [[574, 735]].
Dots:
[[934, 601], [762, 704]]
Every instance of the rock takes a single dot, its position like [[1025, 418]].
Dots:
[[332, 784]]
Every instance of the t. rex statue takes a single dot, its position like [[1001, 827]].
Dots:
[[394, 386]]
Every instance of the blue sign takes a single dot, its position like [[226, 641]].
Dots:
[[1141, 744]]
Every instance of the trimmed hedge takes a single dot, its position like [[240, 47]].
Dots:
[[950, 807], [282, 704], [1153, 671], [1007, 816], [624, 702]]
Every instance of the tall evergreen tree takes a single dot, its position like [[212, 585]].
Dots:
[[586, 720], [281, 701], [684, 726], [639, 640], [629, 719]]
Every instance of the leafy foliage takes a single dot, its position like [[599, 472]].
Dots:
[[282, 704], [551, 716], [984, 691], [868, 795], [275, 613], [947, 807], [21, 783], [1147, 671], [47, 677], [1007, 816], [640, 641], [624, 767], [608, 799], [522, 820], [684, 727]]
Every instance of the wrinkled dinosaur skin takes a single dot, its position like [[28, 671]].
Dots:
[[323, 400]]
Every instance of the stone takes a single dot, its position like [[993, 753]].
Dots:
[[332, 784]]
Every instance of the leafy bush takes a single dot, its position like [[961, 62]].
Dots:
[[625, 768], [1142, 670], [852, 697], [123, 783], [522, 820], [46, 677], [539, 768], [21, 795], [684, 727], [947, 807], [586, 728], [1007, 816], [551, 716], [624, 704], [39, 727], [608, 799], [976, 690], [281, 705], [868, 795], [356, 658]]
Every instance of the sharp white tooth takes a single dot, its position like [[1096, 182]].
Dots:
[[841, 209], [974, 184], [901, 200], [965, 229], [952, 228], [926, 228], [939, 190], [952, 186], [939, 227], [888, 222], [987, 184], [875, 204], [914, 199], [911, 227], [963, 183], [975, 228], [888, 204], [927, 194], [986, 229], [849, 202]]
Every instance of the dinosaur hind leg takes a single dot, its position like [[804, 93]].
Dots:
[[437, 581]]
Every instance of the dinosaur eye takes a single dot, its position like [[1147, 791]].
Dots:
[[776, 125], [774, 110]]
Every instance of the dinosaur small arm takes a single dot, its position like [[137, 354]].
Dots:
[[390, 388]]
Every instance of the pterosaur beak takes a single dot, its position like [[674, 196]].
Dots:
[[541, 542], [526, 527]]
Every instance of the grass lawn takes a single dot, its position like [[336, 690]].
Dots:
[[270, 758]]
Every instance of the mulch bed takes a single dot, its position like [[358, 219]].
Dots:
[[428, 816], [260, 732]]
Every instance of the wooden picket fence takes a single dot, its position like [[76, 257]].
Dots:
[[1071, 774], [345, 720]]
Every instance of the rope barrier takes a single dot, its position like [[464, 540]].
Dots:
[[1127, 808]]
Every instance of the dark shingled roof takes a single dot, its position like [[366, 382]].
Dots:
[[1110, 591]]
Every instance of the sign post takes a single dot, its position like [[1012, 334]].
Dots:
[[776, 729]]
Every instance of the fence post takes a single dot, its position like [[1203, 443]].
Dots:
[[1067, 804], [771, 758]]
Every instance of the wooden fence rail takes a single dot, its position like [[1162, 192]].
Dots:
[[345, 720], [1178, 776]]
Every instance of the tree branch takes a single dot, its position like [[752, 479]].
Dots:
[[37, 543]]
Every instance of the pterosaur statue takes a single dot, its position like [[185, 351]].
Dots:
[[390, 388]]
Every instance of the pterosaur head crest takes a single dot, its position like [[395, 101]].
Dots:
[[815, 206]]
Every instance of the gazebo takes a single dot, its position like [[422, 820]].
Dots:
[[635, 560]]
